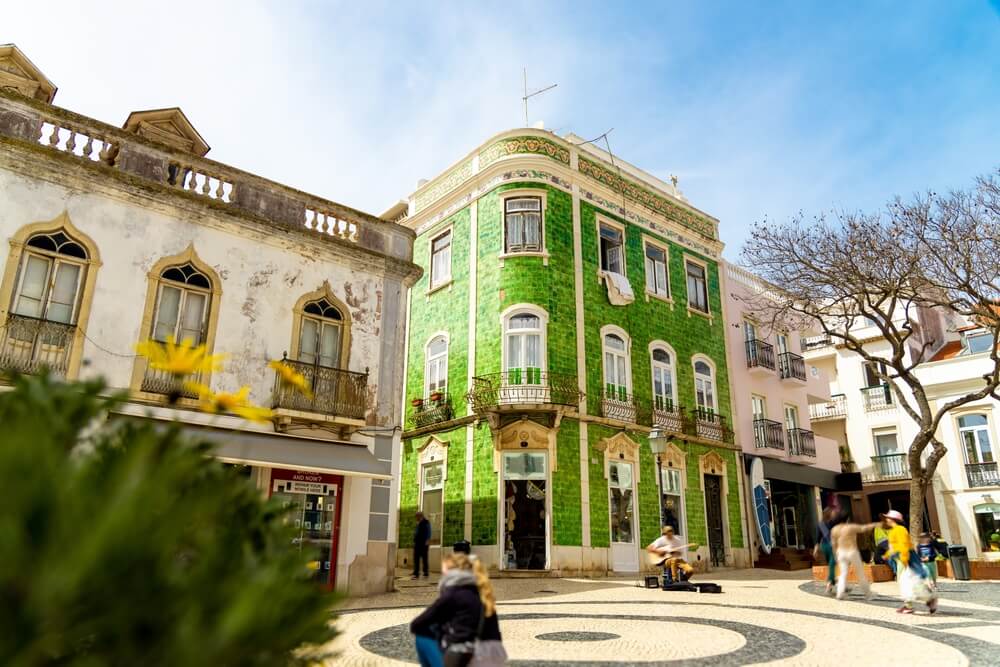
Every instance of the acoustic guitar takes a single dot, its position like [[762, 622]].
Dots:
[[658, 559]]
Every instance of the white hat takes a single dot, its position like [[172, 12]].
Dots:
[[894, 515]]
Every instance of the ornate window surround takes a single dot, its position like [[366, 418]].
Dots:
[[298, 312], [517, 193], [18, 243]]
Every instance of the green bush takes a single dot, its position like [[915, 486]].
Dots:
[[123, 543]]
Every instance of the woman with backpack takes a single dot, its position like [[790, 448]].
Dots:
[[460, 628]]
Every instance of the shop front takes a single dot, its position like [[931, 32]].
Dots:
[[314, 503]]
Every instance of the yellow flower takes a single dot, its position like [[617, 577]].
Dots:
[[181, 359], [290, 377], [223, 402]]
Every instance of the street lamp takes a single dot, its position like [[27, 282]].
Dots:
[[658, 441]]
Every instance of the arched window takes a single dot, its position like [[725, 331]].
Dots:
[[704, 387], [524, 346], [616, 367], [975, 433], [321, 334], [51, 274], [182, 305], [436, 365], [663, 379]]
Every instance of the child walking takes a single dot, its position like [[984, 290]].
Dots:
[[909, 572]]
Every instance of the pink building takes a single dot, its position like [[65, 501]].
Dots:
[[772, 388]]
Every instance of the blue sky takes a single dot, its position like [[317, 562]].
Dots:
[[762, 110]]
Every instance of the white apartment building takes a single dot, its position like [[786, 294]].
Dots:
[[115, 235]]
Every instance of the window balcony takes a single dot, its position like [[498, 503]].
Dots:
[[768, 434], [161, 382], [815, 342], [523, 388], [801, 442], [760, 355], [616, 404], [29, 345], [878, 397], [667, 416], [335, 392], [832, 409], [431, 412], [982, 474], [792, 366], [888, 467], [707, 424]]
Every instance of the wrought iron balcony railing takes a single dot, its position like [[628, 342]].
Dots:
[[889, 467], [29, 344], [161, 382], [431, 412], [706, 423], [768, 433], [835, 407], [759, 354], [616, 403], [791, 366], [523, 386], [335, 392], [815, 342], [801, 442], [666, 415], [878, 397], [982, 474]]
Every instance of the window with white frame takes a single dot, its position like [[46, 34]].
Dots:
[[436, 365], [182, 305], [657, 281], [440, 259], [697, 286], [432, 497], [975, 433], [616, 367], [522, 218], [978, 342], [704, 388], [320, 334], [673, 499], [524, 347], [663, 380], [612, 248], [51, 273]]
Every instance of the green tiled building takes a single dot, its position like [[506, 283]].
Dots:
[[569, 307]]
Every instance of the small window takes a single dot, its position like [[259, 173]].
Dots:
[[616, 367], [523, 224], [436, 370], [979, 343], [886, 443], [704, 385], [656, 271], [672, 500], [697, 287], [612, 249], [988, 526], [441, 259], [182, 305], [432, 497]]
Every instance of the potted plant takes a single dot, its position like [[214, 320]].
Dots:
[[436, 396], [417, 402]]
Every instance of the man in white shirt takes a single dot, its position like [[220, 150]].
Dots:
[[673, 550]]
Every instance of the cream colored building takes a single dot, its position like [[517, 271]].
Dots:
[[120, 234]]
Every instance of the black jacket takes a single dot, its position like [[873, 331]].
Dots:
[[456, 614], [422, 534]]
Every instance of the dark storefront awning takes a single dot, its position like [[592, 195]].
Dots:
[[799, 474], [286, 451]]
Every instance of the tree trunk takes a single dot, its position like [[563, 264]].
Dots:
[[918, 491]]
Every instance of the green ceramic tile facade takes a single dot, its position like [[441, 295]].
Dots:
[[502, 283]]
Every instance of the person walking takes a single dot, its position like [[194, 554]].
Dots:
[[909, 572], [824, 549], [421, 545], [844, 539]]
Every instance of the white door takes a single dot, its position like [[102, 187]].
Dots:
[[624, 550]]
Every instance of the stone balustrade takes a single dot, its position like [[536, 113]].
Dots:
[[60, 130]]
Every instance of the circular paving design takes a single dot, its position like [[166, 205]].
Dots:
[[568, 636], [678, 640]]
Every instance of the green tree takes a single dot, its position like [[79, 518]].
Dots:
[[123, 543]]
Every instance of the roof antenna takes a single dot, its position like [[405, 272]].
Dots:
[[528, 95]]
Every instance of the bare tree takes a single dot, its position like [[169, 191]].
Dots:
[[897, 270]]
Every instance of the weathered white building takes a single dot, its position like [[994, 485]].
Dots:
[[120, 234]]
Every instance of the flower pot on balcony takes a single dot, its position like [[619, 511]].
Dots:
[[417, 402], [436, 396]]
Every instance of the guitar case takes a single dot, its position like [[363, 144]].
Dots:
[[681, 586], [708, 588]]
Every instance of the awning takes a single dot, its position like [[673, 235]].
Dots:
[[799, 474], [288, 451]]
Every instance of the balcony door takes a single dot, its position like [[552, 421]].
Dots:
[[976, 438], [615, 367], [524, 359], [663, 381], [621, 491], [783, 343]]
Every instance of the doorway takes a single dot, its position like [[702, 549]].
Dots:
[[791, 531], [713, 520], [524, 515], [313, 501], [621, 492]]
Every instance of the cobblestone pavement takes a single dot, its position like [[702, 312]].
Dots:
[[762, 616]]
